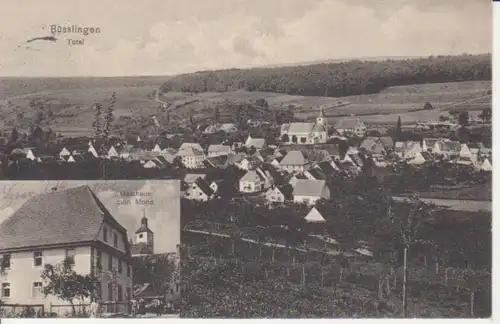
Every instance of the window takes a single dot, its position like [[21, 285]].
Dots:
[[115, 240], [70, 255], [105, 234], [120, 293], [36, 291], [99, 290], [129, 293], [141, 235], [99, 260], [5, 290], [110, 291], [129, 271], [6, 261], [110, 263], [119, 266], [37, 259]]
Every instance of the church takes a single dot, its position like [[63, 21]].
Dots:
[[144, 239], [306, 133]]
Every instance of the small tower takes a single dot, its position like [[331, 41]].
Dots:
[[320, 120], [144, 234]]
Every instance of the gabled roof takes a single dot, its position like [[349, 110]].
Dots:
[[67, 216], [357, 159], [297, 128], [234, 158], [192, 177], [258, 143], [317, 155], [311, 188], [204, 187], [294, 158], [317, 174], [349, 124], [190, 149], [326, 167], [217, 161], [219, 148], [314, 216], [286, 190], [252, 176]]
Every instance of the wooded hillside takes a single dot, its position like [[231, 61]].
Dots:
[[337, 79]]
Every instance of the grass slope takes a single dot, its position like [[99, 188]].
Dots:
[[71, 100]]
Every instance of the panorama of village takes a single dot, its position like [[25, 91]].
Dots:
[[353, 189]]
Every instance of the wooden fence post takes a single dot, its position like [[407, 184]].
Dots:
[[405, 275]]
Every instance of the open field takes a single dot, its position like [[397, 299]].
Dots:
[[457, 204], [71, 100]]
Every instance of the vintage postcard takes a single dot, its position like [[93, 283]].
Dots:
[[334, 157], [89, 248]]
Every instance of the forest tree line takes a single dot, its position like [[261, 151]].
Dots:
[[337, 79]]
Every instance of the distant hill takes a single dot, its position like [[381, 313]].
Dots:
[[337, 79]]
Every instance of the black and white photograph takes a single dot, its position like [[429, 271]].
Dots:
[[333, 157], [89, 249]]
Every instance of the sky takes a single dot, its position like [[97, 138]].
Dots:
[[164, 37], [163, 216]]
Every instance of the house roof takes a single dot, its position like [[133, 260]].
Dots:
[[192, 177], [315, 216], [286, 190], [317, 155], [317, 174], [228, 127], [219, 148], [297, 128], [66, 216], [204, 187], [311, 188], [326, 167], [294, 158], [234, 158], [450, 146], [258, 143], [217, 161], [190, 149], [349, 124], [252, 176]]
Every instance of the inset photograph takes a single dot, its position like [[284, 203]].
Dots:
[[89, 248]]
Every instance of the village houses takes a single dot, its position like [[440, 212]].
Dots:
[[351, 126]]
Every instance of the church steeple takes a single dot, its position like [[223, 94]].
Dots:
[[144, 234], [320, 120]]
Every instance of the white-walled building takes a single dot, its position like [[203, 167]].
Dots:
[[50, 228], [310, 191], [192, 155], [306, 133]]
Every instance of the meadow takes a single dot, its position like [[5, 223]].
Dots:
[[71, 101]]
